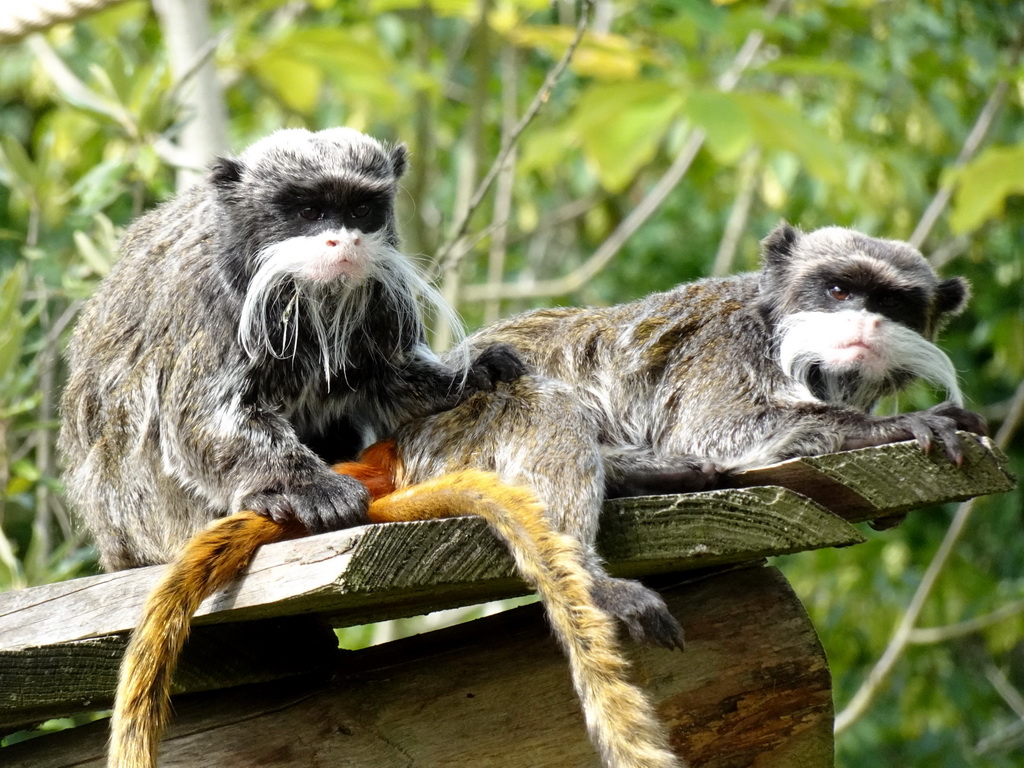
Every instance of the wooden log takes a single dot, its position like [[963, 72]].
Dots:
[[751, 689]]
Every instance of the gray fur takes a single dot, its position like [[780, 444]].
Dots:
[[176, 412]]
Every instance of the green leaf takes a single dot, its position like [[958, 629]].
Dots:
[[983, 185], [12, 325], [622, 124], [91, 255], [463, 8], [725, 122], [604, 56], [777, 125], [297, 66], [735, 121], [816, 67], [102, 184], [17, 161], [11, 574], [295, 82], [545, 148]]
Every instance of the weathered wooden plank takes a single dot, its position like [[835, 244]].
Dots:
[[655, 534], [873, 483], [405, 569], [746, 692]]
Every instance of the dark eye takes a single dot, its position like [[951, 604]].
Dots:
[[360, 211], [839, 293], [311, 214]]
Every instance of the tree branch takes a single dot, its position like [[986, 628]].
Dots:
[[739, 215], [901, 637], [506, 182], [932, 635], [974, 140], [186, 29], [643, 211], [448, 257], [22, 18]]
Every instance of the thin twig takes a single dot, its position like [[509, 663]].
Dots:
[[971, 143], [879, 673], [738, 216], [447, 258], [643, 211], [41, 521], [975, 138], [932, 635], [506, 182], [1005, 689]]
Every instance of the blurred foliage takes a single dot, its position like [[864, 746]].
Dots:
[[851, 113]]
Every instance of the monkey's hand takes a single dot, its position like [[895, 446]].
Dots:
[[498, 362], [641, 609], [938, 423], [327, 502]]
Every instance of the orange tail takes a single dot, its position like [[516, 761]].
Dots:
[[211, 560]]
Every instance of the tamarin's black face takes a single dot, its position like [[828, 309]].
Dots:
[[306, 237], [317, 206], [853, 315]]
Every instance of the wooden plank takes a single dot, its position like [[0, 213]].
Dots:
[[656, 534], [746, 692], [405, 569], [873, 483]]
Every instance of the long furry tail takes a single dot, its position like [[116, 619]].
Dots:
[[211, 560], [620, 718]]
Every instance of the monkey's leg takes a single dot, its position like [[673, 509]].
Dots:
[[635, 471], [533, 432]]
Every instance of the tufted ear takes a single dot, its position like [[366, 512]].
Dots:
[[951, 296], [778, 246], [225, 172], [399, 159]]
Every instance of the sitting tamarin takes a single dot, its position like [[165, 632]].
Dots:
[[752, 369], [247, 318], [257, 317]]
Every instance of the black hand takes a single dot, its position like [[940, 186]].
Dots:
[[327, 502]]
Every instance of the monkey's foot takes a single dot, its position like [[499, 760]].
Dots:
[[498, 362], [641, 609]]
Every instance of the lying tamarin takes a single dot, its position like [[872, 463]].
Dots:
[[249, 317], [742, 371]]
